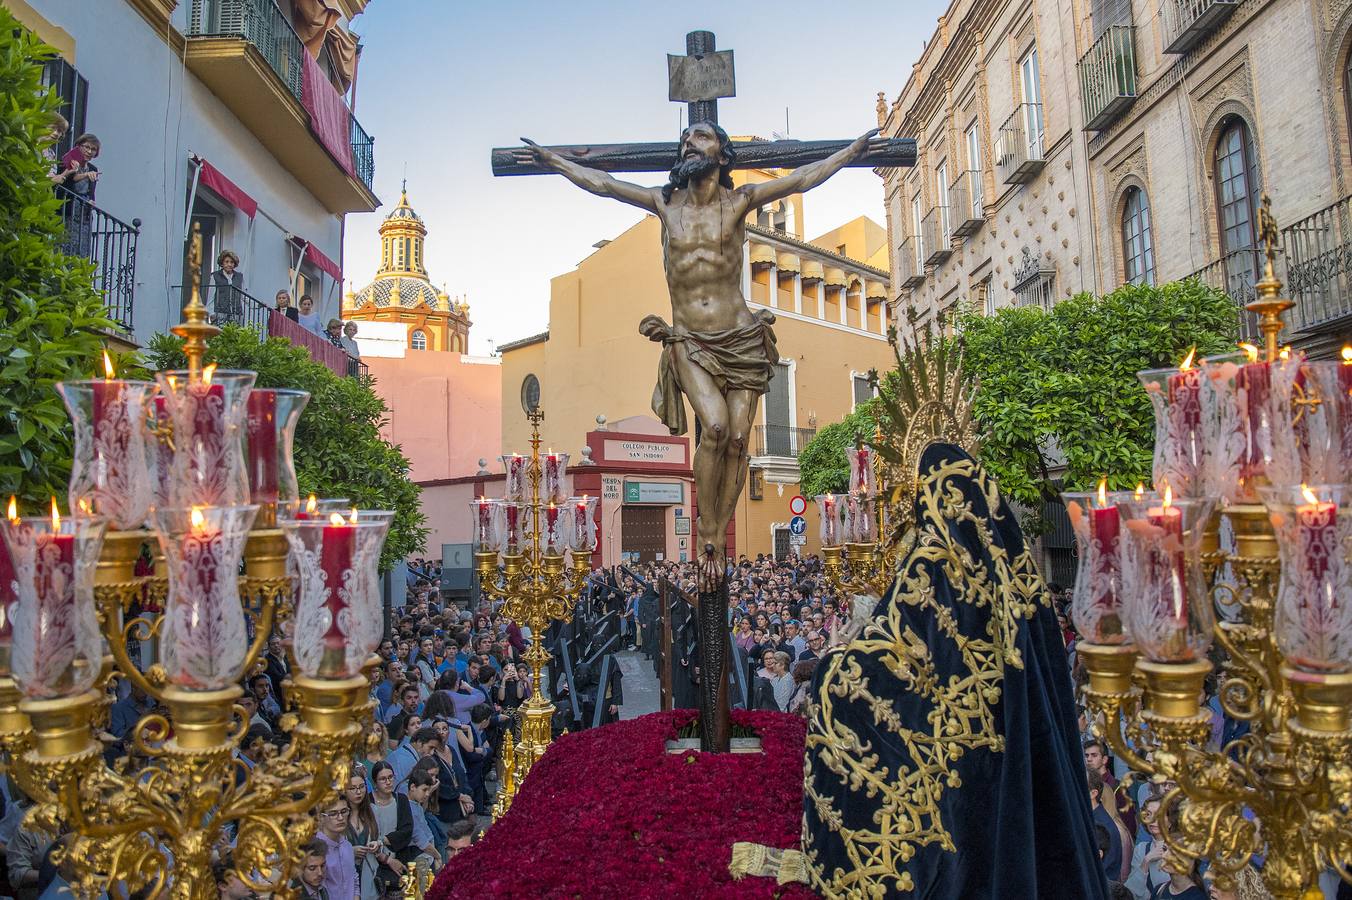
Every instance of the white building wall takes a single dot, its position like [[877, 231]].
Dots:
[[150, 112]]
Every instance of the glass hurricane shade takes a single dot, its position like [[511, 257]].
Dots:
[[1096, 600], [55, 647], [1313, 614], [1166, 607], [580, 529], [1180, 439], [863, 480], [207, 465], [270, 427], [112, 468], [489, 524], [204, 638], [339, 616], [830, 513]]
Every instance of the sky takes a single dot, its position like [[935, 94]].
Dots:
[[441, 83]]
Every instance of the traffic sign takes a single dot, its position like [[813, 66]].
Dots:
[[798, 505], [797, 525]]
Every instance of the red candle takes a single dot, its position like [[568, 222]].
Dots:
[[1318, 536], [483, 538], [335, 560], [1169, 519], [311, 507], [830, 534], [513, 528], [1254, 382], [107, 405], [200, 554], [552, 542], [262, 411], [581, 523]]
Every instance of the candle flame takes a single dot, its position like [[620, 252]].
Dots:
[[1168, 495], [1186, 364], [1103, 493], [1250, 350], [1284, 354], [13, 511], [353, 518], [108, 371], [1310, 496], [208, 372], [1347, 354], [1140, 490], [85, 508], [336, 519], [173, 383], [56, 516], [198, 520], [312, 505]]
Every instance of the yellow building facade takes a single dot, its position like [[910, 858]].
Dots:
[[830, 297], [402, 292]]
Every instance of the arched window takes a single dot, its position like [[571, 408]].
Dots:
[[1138, 254], [418, 340], [1237, 185]]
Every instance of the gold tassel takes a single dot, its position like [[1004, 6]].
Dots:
[[784, 866]]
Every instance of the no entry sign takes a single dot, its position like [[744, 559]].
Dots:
[[798, 505]]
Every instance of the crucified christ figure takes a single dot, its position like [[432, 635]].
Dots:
[[715, 351]]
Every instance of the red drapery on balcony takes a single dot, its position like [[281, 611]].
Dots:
[[318, 258], [212, 177], [329, 118], [321, 351]]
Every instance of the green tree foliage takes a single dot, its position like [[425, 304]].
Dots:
[[822, 464], [51, 318], [339, 450], [1064, 382]]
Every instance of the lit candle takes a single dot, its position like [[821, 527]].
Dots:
[[311, 508], [1185, 393], [513, 528], [552, 476], [553, 542], [861, 472], [335, 561], [1318, 536], [1169, 519], [108, 412], [516, 476], [830, 522], [483, 534], [1105, 523], [1254, 383], [262, 419]]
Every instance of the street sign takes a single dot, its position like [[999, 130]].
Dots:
[[797, 540], [798, 505], [797, 525]]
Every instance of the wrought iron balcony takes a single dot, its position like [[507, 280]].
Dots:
[[1188, 22], [781, 440], [1319, 266], [108, 243], [1019, 151], [248, 54], [966, 206], [1236, 274], [1108, 77], [910, 270], [938, 236]]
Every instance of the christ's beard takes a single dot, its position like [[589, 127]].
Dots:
[[695, 167]]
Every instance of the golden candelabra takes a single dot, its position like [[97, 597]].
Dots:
[[537, 588], [1283, 791], [156, 818]]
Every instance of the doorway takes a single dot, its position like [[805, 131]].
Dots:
[[644, 533]]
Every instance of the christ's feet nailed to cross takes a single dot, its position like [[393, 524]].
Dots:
[[716, 351]]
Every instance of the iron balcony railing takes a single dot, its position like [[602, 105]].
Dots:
[[108, 243], [263, 24], [781, 440], [1319, 265], [910, 270], [1236, 274], [230, 305], [1188, 22], [966, 204], [1019, 151], [1108, 76], [938, 237]]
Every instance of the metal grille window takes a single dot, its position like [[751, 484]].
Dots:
[[1236, 185], [974, 165], [863, 391], [778, 416], [73, 90], [1137, 252]]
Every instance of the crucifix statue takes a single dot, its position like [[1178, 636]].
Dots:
[[716, 352]]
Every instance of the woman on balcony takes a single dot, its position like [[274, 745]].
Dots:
[[79, 180], [227, 289], [309, 319], [283, 301]]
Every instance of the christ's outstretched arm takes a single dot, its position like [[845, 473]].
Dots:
[[813, 174], [597, 182]]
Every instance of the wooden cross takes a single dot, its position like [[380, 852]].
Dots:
[[698, 79]]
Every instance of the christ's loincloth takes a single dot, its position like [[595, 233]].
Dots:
[[738, 359]]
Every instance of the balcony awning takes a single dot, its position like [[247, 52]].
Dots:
[[762, 254], [812, 270], [212, 177], [835, 277], [875, 290], [316, 257], [788, 262]]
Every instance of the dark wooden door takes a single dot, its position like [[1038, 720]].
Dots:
[[644, 532]]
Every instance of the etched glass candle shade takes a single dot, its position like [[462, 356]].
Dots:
[[1180, 441], [339, 613], [270, 426], [1096, 602], [1313, 614], [1223, 428], [1166, 606], [489, 524], [56, 649], [860, 525], [1311, 424], [830, 512], [580, 529], [553, 466], [863, 480], [111, 470], [204, 636], [208, 421]]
